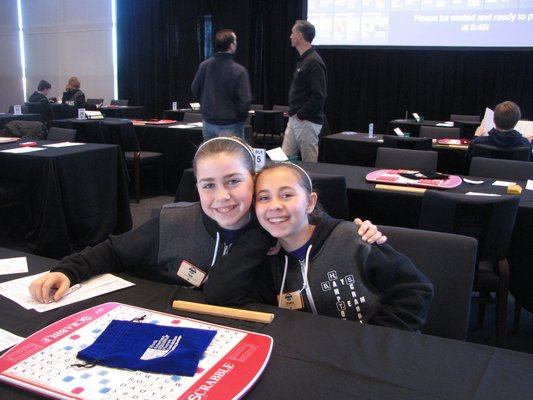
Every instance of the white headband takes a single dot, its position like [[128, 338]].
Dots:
[[244, 145]]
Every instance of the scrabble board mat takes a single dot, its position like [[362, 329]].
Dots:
[[392, 177], [42, 363]]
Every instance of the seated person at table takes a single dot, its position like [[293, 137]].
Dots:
[[325, 268], [503, 135], [41, 94], [219, 232], [73, 92]]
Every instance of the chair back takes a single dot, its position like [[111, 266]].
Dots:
[[192, 117], [402, 142], [41, 107], [418, 160], [123, 135], [440, 132], [116, 102], [256, 107], [332, 194], [448, 261], [269, 121], [61, 134], [502, 169], [488, 219], [465, 118], [513, 153]]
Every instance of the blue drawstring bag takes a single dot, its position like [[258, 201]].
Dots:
[[148, 348]]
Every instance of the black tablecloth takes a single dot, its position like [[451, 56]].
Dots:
[[317, 357], [359, 149], [178, 147], [78, 194], [132, 112], [411, 126]]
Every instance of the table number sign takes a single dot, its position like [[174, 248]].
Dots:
[[260, 155], [17, 109], [81, 113]]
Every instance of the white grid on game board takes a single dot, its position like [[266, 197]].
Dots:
[[52, 367]]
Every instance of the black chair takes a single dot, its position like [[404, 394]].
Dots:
[[136, 159], [61, 134], [449, 262], [502, 169], [465, 118], [440, 132], [490, 220], [332, 194], [269, 127], [404, 142], [256, 107], [43, 108], [116, 102], [512, 153], [192, 117], [418, 160]]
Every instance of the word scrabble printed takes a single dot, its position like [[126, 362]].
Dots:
[[43, 363]]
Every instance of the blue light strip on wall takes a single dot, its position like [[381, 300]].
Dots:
[[21, 45]]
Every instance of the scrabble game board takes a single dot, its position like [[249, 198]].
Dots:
[[43, 362], [392, 177]]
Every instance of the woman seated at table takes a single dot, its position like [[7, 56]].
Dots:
[[325, 268], [73, 93]]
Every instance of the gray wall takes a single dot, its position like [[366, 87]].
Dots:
[[62, 38]]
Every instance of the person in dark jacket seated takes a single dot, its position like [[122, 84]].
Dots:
[[73, 92], [503, 135], [42, 93]]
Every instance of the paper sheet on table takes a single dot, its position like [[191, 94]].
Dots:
[[503, 183], [487, 123], [23, 150], [64, 144], [481, 194], [447, 123], [529, 184], [180, 126], [8, 339], [277, 154], [17, 291], [15, 265]]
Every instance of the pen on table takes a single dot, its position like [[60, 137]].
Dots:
[[70, 290]]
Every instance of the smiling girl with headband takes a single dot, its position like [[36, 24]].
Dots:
[[186, 241], [325, 268]]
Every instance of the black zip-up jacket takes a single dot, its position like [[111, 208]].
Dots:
[[223, 87], [308, 91]]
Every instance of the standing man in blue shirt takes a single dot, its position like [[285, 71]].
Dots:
[[307, 96], [223, 87]]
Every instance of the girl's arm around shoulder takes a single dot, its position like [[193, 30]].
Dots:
[[406, 292]]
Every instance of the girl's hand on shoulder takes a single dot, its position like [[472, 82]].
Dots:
[[274, 250], [369, 232], [49, 287]]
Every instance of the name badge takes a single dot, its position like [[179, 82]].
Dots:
[[191, 274], [291, 300]]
